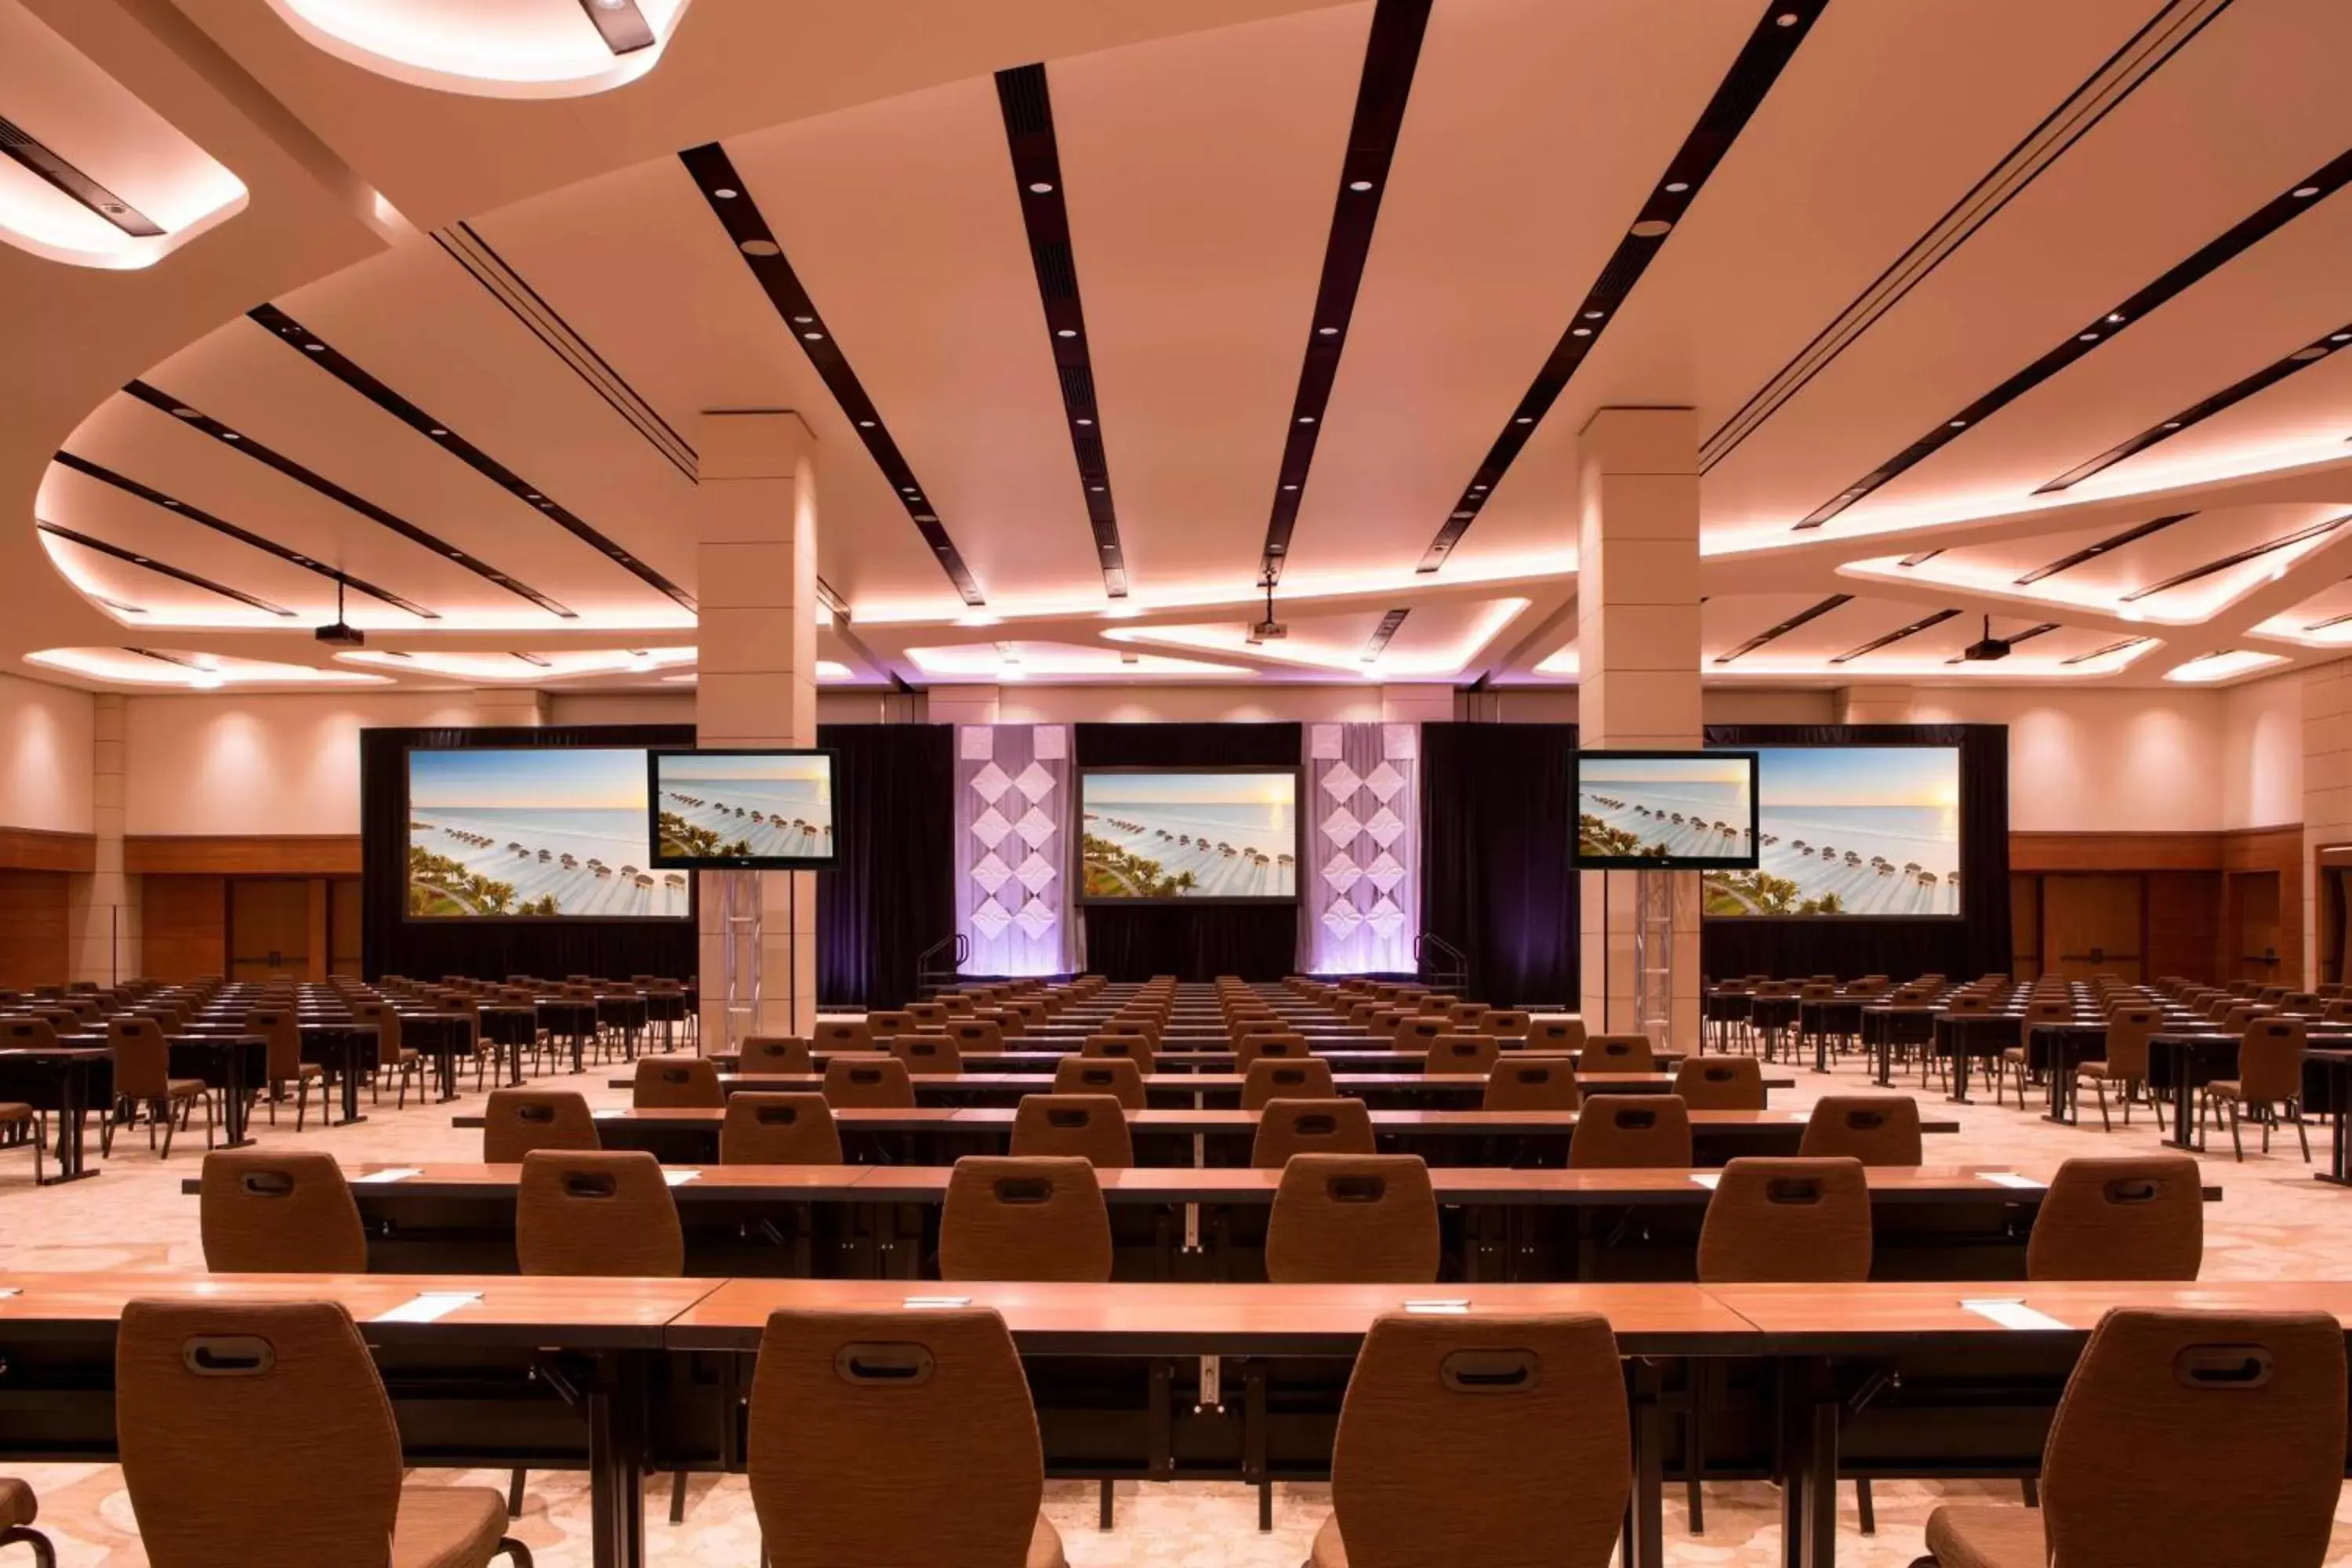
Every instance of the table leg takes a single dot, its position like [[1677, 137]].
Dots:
[[1792, 1465], [2060, 1068], [73, 1116], [232, 1115], [615, 1466], [2184, 1094], [1821, 1432], [1885, 1078], [1960, 1095], [1649, 1469], [348, 1051]]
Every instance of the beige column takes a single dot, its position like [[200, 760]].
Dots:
[[1873, 704], [755, 511], [103, 907], [1637, 591], [510, 708], [2326, 791], [964, 704]]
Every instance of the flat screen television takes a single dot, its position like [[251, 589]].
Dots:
[[1665, 811], [765, 810], [1188, 836], [534, 833], [1851, 831]]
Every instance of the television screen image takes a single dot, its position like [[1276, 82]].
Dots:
[[769, 810], [534, 833], [1852, 830], [1666, 810], [1174, 835]]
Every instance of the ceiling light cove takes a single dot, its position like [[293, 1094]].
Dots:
[[517, 48]]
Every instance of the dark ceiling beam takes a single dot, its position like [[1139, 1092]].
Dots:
[[1889, 639], [2106, 546], [2236, 558], [1773, 633], [133, 558]]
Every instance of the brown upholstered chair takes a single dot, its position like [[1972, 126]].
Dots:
[[2130, 1030], [936, 1406], [980, 1034], [1616, 1053], [1131, 1024], [1801, 1221], [2270, 1076], [286, 1066], [23, 1127], [1119, 1076], [842, 1035], [1353, 1218], [18, 1508], [1250, 1050], [1415, 1034], [780, 1056], [1720, 1083], [142, 1078], [1136, 1048], [236, 1422], [2141, 1216], [1038, 1217], [390, 1056], [677, 1083], [265, 1211], [1556, 1034], [929, 1055], [1282, 1078], [886, 1025], [1506, 1023], [779, 1129], [608, 1212], [1632, 1132], [927, 1014], [1526, 1081], [1462, 1054], [862, 1082], [1288, 1128], [1875, 1129], [515, 1121], [2250, 1405], [1090, 1127], [1493, 1440]]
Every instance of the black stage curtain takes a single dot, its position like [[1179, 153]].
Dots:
[[1497, 805], [391, 943], [1976, 944], [1256, 941], [894, 895]]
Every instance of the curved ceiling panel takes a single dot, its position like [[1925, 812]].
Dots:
[[492, 48]]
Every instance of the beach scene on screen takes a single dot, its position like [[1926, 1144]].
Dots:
[[1190, 836], [1851, 830], [768, 807], [547, 832], [1662, 809]]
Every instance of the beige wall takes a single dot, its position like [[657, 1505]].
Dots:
[[2261, 754], [2108, 761], [45, 756]]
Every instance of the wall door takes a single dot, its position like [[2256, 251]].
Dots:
[[269, 927], [2091, 925], [343, 926], [2251, 929]]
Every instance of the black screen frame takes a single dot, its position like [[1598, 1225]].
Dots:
[[1580, 861], [831, 862], [1298, 775], [692, 916], [1960, 775]]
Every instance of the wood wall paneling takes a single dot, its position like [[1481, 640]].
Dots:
[[33, 850], [2207, 901], [183, 926], [34, 949], [194, 855], [2184, 924]]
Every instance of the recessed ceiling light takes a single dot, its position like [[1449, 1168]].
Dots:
[[814, 337], [760, 247], [530, 495], [139, 561], [1676, 187], [1525, 419], [1594, 315], [2315, 351], [169, 502], [1785, 19], [803, 320], [1065, 332], [1478, 487], [314, 348], [1041, 187], [2114, 316], [1960, 424], [205, 679], [726, 193], [2086, 337], [231, 435], [2305, 193], [1307, 419], [187, 414], [1580, 332], [456, 555], [1359, 185], [1326, 332], [1290, 486], [1096, 488], [1460, 515], [866, 425], [2172, 424], [2340, 337], [1651, 228], [547, 506], [907, 489], [436, 430], [1085, 421]]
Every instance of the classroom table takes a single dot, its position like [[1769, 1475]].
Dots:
[[231, 1062], [69, 1081], [1497, 1223], [935, 1134], [1206, 1089], [476, 1388]]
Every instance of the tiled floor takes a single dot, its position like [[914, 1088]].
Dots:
[[2273, 1222]]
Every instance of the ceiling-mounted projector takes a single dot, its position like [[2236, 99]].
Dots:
[[341, 632], [1991, 648]]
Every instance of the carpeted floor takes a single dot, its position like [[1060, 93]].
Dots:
[[2273, 1222]]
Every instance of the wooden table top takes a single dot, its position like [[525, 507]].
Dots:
[[1216, 1320], [1186, 1121], [1208, 1082], [581, 1313], [1833, 1317]]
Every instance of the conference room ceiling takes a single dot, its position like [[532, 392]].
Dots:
[[2000, 310]]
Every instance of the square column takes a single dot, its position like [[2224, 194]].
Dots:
[[102, 908], [1873, 704], [1637, 634], [756, 517]]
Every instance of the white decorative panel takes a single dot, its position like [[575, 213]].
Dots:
[[1012, 830], [1364, 898]]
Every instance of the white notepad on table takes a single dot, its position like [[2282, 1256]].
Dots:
[[1710, 1180], [679, 1178], [428, 1307], [389, 1173], [2011, 1313], [2011, 1179]]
